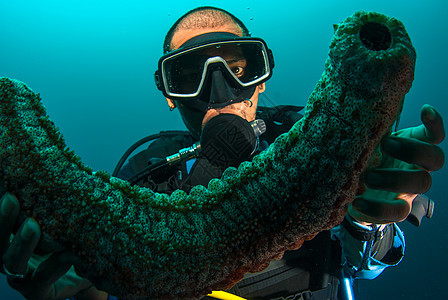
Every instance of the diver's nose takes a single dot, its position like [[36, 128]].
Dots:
[[220, 92]]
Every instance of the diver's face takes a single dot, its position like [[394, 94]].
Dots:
[[237, 63], [189, 65]]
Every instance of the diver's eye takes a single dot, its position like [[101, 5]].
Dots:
[[238, 71]]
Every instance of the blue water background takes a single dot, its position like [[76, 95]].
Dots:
[[93, 64]]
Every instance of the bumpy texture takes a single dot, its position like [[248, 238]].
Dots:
[[135, 243]]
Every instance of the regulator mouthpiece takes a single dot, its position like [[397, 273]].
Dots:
[[228, 140]]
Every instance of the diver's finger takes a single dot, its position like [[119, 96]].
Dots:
[[399, 181], [9, 210], [19, 252], [380, 211], [432, 130], [413, 151], [50, 270]]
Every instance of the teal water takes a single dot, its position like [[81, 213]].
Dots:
[[93, 64]]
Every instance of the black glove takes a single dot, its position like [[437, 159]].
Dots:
[[35, 277], [408, 157]]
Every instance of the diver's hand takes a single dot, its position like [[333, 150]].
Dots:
[[408, 157], [43, 279]]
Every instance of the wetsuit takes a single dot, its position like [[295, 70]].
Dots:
[[314, 269]]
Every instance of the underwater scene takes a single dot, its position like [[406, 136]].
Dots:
[[93, 64]]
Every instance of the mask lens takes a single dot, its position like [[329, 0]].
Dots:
[[256, 62], [184, 72]]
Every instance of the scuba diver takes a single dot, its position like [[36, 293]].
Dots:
[[213, 72], [214, 77]]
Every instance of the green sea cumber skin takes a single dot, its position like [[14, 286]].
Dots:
[[138, 244]]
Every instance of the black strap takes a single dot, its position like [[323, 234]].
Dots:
[[361, 234]]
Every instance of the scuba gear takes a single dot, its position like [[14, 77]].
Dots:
[[212, 70], [161, 176], [227, 139], [278, 119], [139, 143], [182, 155], [218, 95], [237, 140], [221, 94], [238, 136], [183, 74], [422, 206], [346, 286]]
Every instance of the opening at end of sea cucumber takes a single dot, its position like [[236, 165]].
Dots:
[[375, 36]]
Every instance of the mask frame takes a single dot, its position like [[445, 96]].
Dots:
[[209, 40]]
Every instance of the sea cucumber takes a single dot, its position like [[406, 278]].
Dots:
[[138, 244]]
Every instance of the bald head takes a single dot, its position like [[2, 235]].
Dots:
[[205, 17]]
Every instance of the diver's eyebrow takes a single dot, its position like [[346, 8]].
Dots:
[[236, 59]]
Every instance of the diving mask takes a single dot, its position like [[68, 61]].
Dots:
[[245, 62]]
